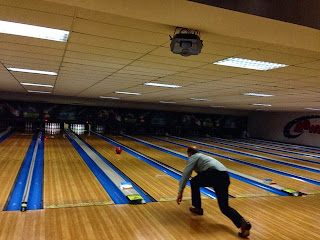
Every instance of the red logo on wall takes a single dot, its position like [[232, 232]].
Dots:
[[306, 125], [301, 125]]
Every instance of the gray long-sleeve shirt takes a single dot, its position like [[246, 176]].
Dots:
[[199, 163]]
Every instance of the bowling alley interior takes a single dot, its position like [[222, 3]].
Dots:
[[100, 100]]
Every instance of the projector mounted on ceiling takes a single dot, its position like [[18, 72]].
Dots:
[[186, 42]]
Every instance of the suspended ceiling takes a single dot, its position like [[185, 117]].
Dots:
[[121, 46]]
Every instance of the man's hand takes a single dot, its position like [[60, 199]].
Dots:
[[179, 198]]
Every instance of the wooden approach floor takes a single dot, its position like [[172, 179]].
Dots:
[[68, 182], [287, 218]]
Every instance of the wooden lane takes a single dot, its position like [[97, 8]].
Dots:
[[268, 153], [13, 150], [237, 188], [67, 178], [284, 218], [282, 147], [256, 172], [254, 160], [156, 183]]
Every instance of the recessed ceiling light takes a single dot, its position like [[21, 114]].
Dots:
[[249, 64], [162, 85], [109, 97], [130, 93], [36, 85], [258, 94], [32, 91], [262, 104], [200, 99], [27, 30], [313, 109], [217, 106], [32, 71], [167, 102]]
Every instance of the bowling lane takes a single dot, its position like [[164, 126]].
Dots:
[[254, 160], [253, 171], [294, 148], [302, 156], [67, 178], [155, 182], [13, 150], [237, 188], [251, 149]]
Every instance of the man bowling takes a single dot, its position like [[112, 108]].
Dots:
[[211, 173]]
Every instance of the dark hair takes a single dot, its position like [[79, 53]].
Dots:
[[192, 150]]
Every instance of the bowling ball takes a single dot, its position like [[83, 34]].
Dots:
[[118, 150]]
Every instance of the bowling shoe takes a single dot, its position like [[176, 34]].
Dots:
[[198, 211], [244, 229]]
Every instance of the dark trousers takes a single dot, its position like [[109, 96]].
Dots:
[[220, 182]]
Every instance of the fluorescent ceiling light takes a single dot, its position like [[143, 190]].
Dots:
[[258, 94], [109, 97], [27, 30], [32, 71], [249, 64], [217, 106], [200, 99], [262, 104], [32, 91], [36, 85], [313, 109], [162, 85], [166, 102], [130, 93]]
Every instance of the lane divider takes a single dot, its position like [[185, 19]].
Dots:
[[287, 145], [139, 189], [283, 150], [28, 185], [275, 188], [115, 184]]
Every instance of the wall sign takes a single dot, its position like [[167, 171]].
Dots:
[[298, 126]]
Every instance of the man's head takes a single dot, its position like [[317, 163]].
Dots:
[[192, 150]]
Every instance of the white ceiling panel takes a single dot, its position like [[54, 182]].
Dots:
[[124, 21], [159, 66], [210, 37], [119, 32], [98, 58], [93, 63], [9, 59], [40, 6], [110, 43], [21, 55], [310, 65], [223, 49], [38, 18], [103, 51], [154, 71], [171, 61], [31, 49]]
